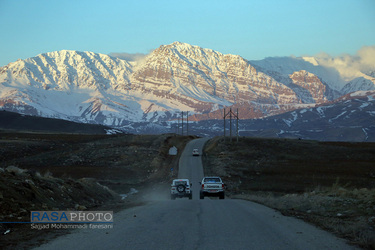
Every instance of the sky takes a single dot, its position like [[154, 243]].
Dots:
[[253, 29]]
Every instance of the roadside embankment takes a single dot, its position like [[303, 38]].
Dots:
[[329, 184], [48, 172]]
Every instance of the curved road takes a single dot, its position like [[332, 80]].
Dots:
[[200, 224]]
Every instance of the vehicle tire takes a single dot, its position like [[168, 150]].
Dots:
[[222, 196], [201, 196], [173, 197], [180, 188], [190, 196]]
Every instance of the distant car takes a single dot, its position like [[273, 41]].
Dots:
[[195, 152], [212, 186], [181, 188]]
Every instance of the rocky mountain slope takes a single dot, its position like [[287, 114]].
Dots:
[[349, 118], [96, 88]]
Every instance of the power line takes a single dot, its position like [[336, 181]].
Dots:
[[182, 123], [230, 114]]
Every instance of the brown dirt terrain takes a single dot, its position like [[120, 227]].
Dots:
[[329, 184], [44, 172], [326, 183]]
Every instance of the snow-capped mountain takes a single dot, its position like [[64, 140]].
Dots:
[[342, 74], [349, 118], [66, 84], [97, 88], [359, 84], [285, 66]]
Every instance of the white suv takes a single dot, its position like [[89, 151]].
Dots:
[[195, 152], [181, 188]]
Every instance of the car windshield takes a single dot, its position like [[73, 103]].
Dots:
[[214, 180], [180, 182]]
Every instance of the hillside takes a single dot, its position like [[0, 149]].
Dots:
[[349, 118], [329, 184], [44, 172], [17, 122]]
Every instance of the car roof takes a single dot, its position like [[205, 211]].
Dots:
[[181, 180]]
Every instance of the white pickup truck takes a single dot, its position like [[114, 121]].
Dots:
[[212, 186]]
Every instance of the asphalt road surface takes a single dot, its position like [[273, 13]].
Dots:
[[200, 224]]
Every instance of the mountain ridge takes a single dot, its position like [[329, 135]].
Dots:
[[97, 88]]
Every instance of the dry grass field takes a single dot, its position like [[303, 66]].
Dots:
[[329, 184], [44, 172]]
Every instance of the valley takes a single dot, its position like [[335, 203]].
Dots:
[[329, 184]]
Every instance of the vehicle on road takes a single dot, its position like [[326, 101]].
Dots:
[[181, 188], [195, 152], [212, 186]]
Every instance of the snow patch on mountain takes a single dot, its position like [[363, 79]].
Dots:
[[97, 88], [359, 84], [288, 65], [337, 72]]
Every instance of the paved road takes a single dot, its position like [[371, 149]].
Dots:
[[200, 224], [190, 167]]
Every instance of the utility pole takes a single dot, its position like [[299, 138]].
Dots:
[[230, 113], [178, 125], [182, 121], [224, 123], [237, 126], [187, 122], [230, 124]]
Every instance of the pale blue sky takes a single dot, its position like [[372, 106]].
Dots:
[[251, 29]]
